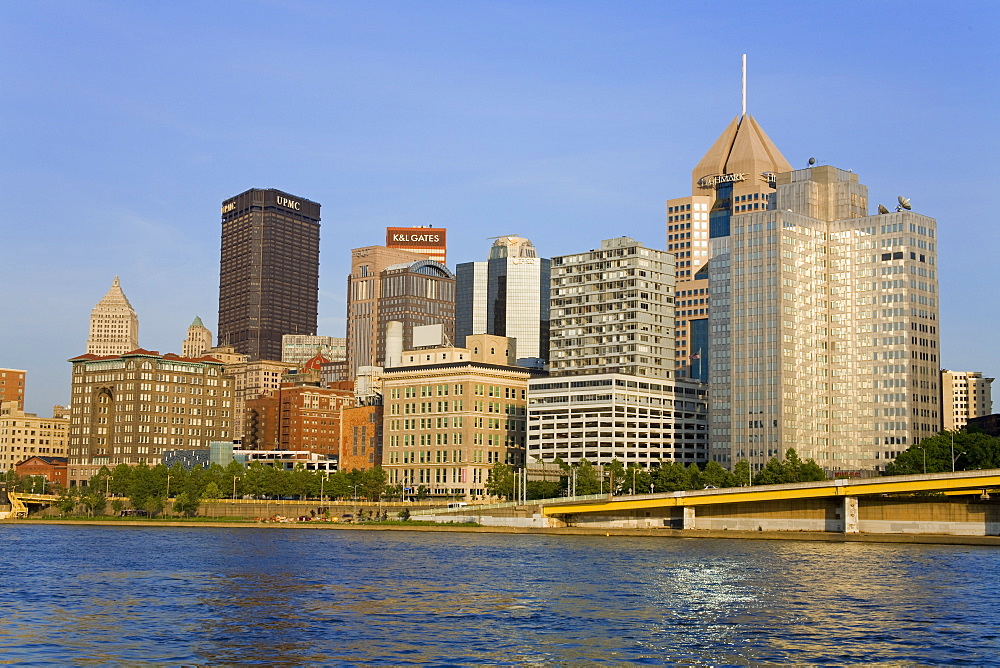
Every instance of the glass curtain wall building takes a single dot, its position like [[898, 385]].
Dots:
[[507, 295]]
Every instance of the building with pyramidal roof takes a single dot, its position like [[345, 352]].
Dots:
[[199, 339], [114, 326], [736, 175]]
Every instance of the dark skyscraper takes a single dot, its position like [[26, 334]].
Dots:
[[269, 272]]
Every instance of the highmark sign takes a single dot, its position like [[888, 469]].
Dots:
[[712, 181]]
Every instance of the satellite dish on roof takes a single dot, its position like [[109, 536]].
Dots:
[[882, 209], [904, 202], [812, 161]]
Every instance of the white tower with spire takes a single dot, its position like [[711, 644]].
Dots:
[[199, 339], [114, 326]]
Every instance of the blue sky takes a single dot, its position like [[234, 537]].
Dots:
[[123, 126]]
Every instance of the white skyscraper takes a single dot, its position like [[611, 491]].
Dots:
[[114, 326]]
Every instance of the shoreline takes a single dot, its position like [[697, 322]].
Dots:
[[813, 536]]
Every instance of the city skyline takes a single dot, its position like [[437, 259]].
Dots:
[[589, 123]]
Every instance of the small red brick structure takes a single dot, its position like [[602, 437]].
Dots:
[[53, 468]]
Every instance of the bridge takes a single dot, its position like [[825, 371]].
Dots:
[[827, 505], [19, 503]]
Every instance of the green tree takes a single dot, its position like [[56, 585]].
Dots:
[[186, 503], [94, 502], [543, 489], [501, 481], [637, 479], [373, 482], [714, 475], [742, 473], [117, 506], [67, 501], [973, 450], [588, 479], [672, 477], [212, 491], [154, 505]]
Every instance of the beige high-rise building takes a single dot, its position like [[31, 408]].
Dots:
[[199, 339], [114, 326], [24, 435], [735, 176], [129, 409], [452, 413], [364, 287], [823, 327], [964, 395]]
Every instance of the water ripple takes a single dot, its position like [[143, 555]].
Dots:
[[171, 596]]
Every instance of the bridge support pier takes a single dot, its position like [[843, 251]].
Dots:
[[849, 514], [688, 517]]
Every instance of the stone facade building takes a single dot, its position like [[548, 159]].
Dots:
[[114, 326], [451, 414], [24, 435], [964, 395], [129, 409]]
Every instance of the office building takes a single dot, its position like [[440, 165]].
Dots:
[[299, 348], [114, 326], [736, 175], [364, 287], [451, 414], [964, 395], [199, 339], [429, 241], [506, 295], [415, 294], [823, 325], [250, 379], [24, 435], [296, 417], [130, 409], [611, 393], [269, 271], [12, 386]]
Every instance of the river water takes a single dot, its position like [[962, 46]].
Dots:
[[90, 595]]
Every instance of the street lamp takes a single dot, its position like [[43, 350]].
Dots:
[[235, 478], [923, 450], [168, 485], [322, 482], [355, 494]]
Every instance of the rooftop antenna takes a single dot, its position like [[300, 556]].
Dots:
[[504, 236], [904, 203], [744, 84]]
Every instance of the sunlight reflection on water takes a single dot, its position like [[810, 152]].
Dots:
[[107, 595]]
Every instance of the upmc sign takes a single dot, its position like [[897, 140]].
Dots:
[[416, 237]]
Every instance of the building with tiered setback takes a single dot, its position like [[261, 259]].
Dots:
[[451, 414], [735, 176], [24, 435], [198, 341], [964, 395], [131, 408], [823, 327], [114, 326]]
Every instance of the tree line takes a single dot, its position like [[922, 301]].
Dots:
[[152, 488], [617, 479]]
